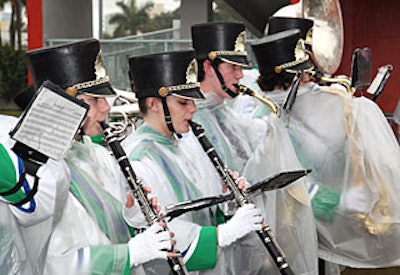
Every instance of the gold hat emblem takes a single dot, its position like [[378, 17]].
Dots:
[[100, 69], [191, 72], [240, 43], [309, 37], [300, 50]]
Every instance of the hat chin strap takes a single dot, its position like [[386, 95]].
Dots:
[[167, 116], [221, 80]]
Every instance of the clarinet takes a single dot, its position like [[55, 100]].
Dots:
[[137, 188], [241, 198]]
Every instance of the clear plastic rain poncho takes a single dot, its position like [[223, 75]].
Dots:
[[25, 234], [258, 149], [179, 170], [13, 258], [355, 159], [92, 236]]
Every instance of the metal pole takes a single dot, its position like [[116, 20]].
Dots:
[[100, 19]]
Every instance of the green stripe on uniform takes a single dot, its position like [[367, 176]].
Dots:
[[8, 177], [205, 254], [109, 259]]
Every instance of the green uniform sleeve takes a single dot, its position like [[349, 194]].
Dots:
[[261, 111], [109, 259], [205, 254], [8, 178], [220, 217], [325, 203]]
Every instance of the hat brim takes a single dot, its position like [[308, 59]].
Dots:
[[239, 60], [193, 94], [302, 67], [101, 90]]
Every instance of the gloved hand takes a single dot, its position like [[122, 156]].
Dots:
[[248, 218], [241, 183], [357, 199], [132, 213], [134, 216], [149, 245], [230, 207]]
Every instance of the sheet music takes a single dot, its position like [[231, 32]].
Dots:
[[377, 80], [50, 124]]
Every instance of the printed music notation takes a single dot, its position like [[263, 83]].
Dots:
[[380, 79], [50, 124]]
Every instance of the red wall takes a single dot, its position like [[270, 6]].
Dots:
[[35, 27], [376, 25]]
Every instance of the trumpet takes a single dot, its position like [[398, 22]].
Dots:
[[345, 81], [268, 102]]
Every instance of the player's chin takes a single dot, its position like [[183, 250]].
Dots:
[[185, 128], [96, 129]]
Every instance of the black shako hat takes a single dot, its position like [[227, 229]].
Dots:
[[77, 67], [278, 24], [223, 40], [281, 51], [163, 74]]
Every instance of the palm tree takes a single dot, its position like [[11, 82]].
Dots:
[[132, 20], [16, 24], [164, 20], [2, 2], [19, 25], [221, 13]]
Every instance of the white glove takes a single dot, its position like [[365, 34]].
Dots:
[[149, 245], [134, 216], [356, 199], [248, 218]]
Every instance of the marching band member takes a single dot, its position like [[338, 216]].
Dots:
[[28, 211], [354, 157], [254, 148], [92, 236], [166, 85]]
